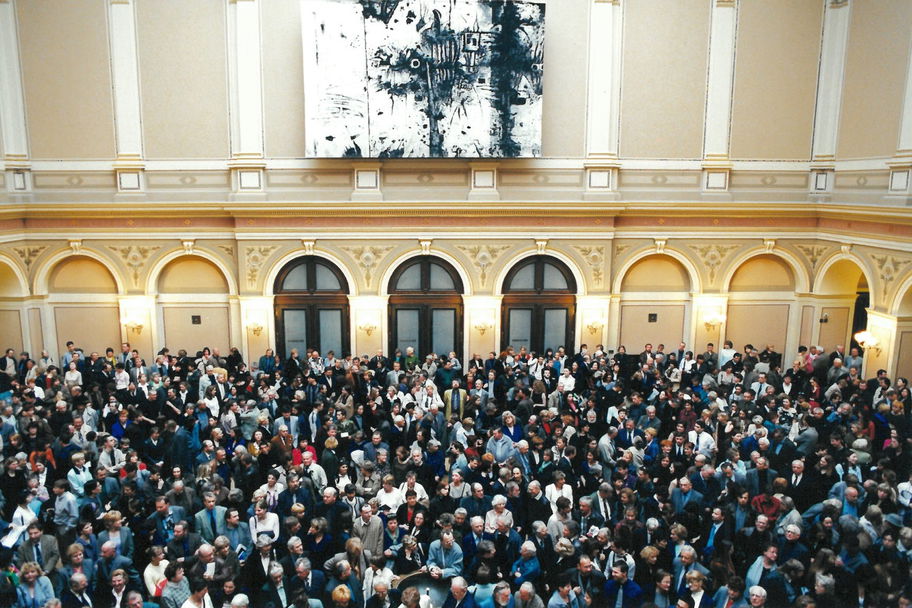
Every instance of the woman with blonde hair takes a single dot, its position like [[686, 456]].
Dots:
[[117, 533], [34, 588], [412, 598]]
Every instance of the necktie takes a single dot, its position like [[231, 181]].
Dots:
[[682, 586], [456, 409], [794, 480], [712, 536], [38, 557], [85, 600], [212, 523]]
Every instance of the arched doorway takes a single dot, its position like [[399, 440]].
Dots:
[[311, 307], [539, 306], [425, 307], [844, 310]]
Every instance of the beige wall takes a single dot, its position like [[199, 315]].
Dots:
[[81, 275], [806, 333], [36, 332], [664, 84], [9, 282], [183, 77], [92, 328], [757, 324], [67, 79], [283, 78], [656, 273], [192, 275], [835, 330], [212, 331], [11, 331], [778, 49], [763, 273], [566, 44], [637, 331], [904, 354], [875, 76]]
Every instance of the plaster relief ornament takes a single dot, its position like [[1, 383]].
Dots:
[[595, 258], [255, 258], [813, 253], [29, 254], [483, 257], [712, 257], [368, 258], [889, 267], [135, 257]]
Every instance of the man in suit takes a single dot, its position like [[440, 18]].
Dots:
[[454, 400], [210, 521], [620, 590], [256, 569], [205, 565], [586, 516], [311, 582], [77, 593], [585, 578], [383, 596], [684, 563], [759, 480], [369, 528], [445, 557], [184, 544], [476, 535], [109, 563], [800, 487], [684, 494], [41, 548], [163, 520], [713, 534], [275, 592], [536, 504], [459, 596]]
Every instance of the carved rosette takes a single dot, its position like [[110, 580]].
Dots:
[[135, 257], [255, 257]]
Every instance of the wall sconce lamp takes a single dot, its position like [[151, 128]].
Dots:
[[825, 317], [595, 326], [134, 327], [868, 342], [255, 328], [367, 328], [713, 319], [482, 326]]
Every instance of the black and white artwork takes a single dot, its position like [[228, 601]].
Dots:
[[423, 78]]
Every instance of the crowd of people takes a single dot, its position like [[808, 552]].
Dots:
[[722, 479]]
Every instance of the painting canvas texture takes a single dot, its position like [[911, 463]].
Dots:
[[423, 78]]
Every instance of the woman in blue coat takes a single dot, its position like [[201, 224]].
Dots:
[[527, 567]]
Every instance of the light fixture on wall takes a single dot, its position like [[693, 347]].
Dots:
[[712, 319], [825, 317], [367, 328], [482, 326], [595, 326], [868, 342], [133, 327], [255, 328]]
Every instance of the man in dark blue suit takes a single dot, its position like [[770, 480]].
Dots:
[[684, 494], [459, 596], [470, 541], [162, 521], [311, 582], [620, 584]]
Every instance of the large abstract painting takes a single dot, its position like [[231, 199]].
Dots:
[[423, 78]]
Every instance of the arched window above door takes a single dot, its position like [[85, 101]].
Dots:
[[539, 306]]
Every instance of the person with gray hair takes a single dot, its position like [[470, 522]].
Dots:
[[525, 597], [757, 596], [240, 601]]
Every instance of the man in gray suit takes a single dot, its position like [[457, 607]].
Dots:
[[41, 548], [369, 528], [210, 520]]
